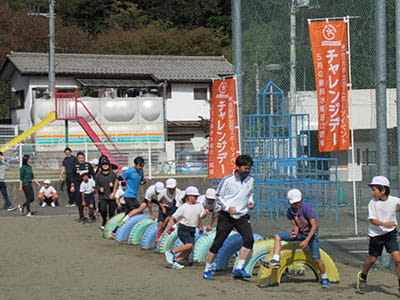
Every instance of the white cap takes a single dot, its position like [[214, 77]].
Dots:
[[94, 161], [380, 180], [124, 168], [171, 183], [47, 181], [159, 186], [192, 190], [294, 196], [210, 193]]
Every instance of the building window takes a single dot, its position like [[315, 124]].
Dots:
[[17, 99], [200, 94]]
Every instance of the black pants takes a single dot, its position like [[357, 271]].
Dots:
[[29, 196], [71, 196], [78, 200], [225, 225], [107, 206]]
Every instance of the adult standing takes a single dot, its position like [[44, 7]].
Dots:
[[80, 167], [235, 198], [3, 186], [68, 165], [25, 184]]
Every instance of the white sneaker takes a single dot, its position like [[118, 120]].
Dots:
[[44, 204], [53, 204], [29, 214]]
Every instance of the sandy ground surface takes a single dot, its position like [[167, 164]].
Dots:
[[52, 257]]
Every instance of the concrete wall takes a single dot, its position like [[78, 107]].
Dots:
[[17, 197]]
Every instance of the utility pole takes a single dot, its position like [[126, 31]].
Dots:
[[292, 98], [52, 73]]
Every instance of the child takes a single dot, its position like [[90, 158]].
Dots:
[[87, 194], [48, 194], [119, 197], [382, 228], [106, 187], [188, 216], [305, 229], [208, 202]]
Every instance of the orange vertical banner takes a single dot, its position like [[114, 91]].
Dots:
[[223, 137], [330, 55]]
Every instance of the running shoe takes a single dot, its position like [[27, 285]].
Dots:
[[325, 283], [272, 264], [21, 209], [240, 273], [361, 283], [11, 208], [53, 204], [208, 275], [169, 257], [101, 227], [29, 214], [44, 204], [176, 265]]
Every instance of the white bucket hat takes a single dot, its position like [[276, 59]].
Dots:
[[192, 190], [171, 183], [380, 180], [294, 196], [211, 193]]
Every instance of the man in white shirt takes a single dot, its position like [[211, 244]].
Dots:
[[48, 194], [235, 199]]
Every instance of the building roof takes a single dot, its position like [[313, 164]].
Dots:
[[158, 67]]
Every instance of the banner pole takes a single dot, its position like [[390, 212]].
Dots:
[[353, 171], [238, 116]]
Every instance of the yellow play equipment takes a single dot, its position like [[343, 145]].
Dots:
[[292, 253], [49, 118]]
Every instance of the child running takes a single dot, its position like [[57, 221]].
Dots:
[[210, 204], [305, 230], [188, 216], [87, 193], [381, 229]]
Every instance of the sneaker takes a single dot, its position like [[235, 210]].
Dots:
[[44, 204], [70, 205], [361, 283], [11, 208], [325, 283], [240, 273], [53, 204], [101, 227], [21, 209], [120, 223], [169, 257], [272, 264], [84, 220], [176, 265], [29, 214], [208, 275]]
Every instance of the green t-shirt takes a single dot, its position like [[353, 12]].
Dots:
[[26, 175]]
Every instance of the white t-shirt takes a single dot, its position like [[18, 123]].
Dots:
[[151, 194], [383, 211], [189, 214], [87, 187], [48, 191], [120, 195], [166, 198], [203, 201]]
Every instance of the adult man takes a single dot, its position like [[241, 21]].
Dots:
[[68, 165], [3, 186], [235, 198], [80, 167]]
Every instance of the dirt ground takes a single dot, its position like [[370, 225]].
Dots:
[[52, 257]]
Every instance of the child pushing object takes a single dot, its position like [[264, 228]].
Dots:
[[188, 216], [305, 230], [382, 229]]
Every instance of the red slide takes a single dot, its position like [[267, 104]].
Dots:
[[96, 140]]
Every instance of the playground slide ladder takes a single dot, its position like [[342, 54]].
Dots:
[[49, 118], [95, 139]]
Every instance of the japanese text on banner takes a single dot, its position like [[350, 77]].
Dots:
[[330, 55], [223, 138]]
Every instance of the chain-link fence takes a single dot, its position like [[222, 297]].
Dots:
[[266, 57]]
